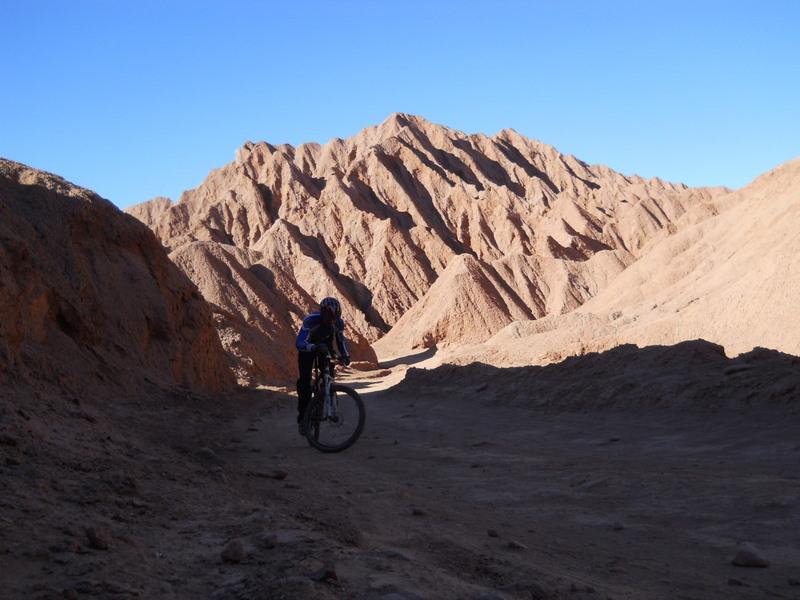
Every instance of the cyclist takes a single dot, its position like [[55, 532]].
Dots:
[[317, 336]]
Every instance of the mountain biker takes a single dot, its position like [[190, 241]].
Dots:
[[316, 336]]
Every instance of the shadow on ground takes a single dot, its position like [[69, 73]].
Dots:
[[692, 374], [409, 359]]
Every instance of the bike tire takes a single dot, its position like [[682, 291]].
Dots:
[[312, 417]]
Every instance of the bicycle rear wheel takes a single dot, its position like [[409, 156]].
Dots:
[[340, 430]]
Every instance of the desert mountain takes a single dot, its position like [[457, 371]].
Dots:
[[88, 296], [733, 280], [164, 493], [379, 219]]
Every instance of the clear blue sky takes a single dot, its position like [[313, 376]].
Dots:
[[137, 99]]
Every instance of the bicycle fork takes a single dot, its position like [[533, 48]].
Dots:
[[329, 403]]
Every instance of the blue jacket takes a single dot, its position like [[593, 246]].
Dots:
[[314, 331]]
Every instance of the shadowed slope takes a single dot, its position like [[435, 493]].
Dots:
[[88, 294]]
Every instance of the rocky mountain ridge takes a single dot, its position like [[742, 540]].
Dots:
[[732, 280], [377, 219]]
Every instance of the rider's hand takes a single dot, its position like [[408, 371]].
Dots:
[[321, 349], [345, 360]]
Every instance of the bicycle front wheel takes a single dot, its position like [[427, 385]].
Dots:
[[341, 428]]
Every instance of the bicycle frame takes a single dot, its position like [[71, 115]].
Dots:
[[323, 381]]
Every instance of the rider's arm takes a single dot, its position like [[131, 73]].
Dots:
[[302, 343], [341, 341]]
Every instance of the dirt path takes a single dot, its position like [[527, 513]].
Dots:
[[447, 496]]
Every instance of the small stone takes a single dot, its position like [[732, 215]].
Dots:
[[749, 556], [617, 526], [793, 581], [99, 538], [206, 453], [70, 594], [233, 552], [736, 582], [324, 574], [418, 512], [515, 545], [268, 540], [278, 474], [117, 589], [395, 553], [492, 533]]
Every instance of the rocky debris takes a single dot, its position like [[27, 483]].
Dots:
[[8, 440], [492, 533], [278, 474], [793, 581], [206, 453], [99, 538], [418, 512], [233, 552], [327, 573], [268, 541], [401, 595], [395, 554], [748, 555], [515, 545], [534, 590]]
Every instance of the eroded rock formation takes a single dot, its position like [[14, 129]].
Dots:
[[379, 218], [87, 294]]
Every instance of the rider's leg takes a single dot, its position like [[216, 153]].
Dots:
[[305, 366]]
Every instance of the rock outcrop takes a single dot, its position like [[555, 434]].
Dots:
[[732, 279], [88, 295], [377, 219]]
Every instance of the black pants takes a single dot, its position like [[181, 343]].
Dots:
[[305, 366]]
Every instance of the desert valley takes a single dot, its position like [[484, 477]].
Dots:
[[579, 383]]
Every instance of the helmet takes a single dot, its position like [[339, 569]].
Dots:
[[330, 304]]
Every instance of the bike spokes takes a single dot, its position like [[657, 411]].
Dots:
[[336, 422]]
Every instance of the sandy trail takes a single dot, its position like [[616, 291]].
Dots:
[[621, 504], [598, 504]]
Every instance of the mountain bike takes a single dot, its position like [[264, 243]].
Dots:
[[334, 417]]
